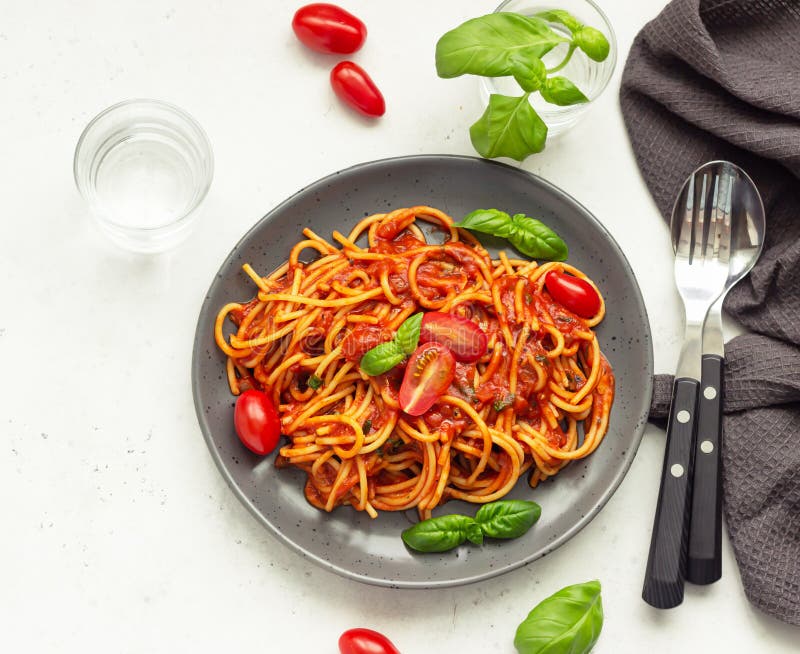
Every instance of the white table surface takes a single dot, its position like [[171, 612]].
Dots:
[[119, 534]]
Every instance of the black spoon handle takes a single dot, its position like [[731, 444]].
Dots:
[[704, 564], [666, 563]]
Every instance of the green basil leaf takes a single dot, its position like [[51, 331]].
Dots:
[[407, 335], [537, 240], [367, 426], [487, 45], [561, 16], [487, 221], [560, 91], [567, 622], [507, 518], [509, 127], [474, 533], [382, 358], [314, 382], [438, 534], [530, 73], [593, 42]]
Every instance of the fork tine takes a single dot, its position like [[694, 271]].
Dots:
[[723, 183], [710, 232], [684, 246], [724, 246], [700, 214]]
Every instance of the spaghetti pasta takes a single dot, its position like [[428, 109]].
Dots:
[[539, 397]]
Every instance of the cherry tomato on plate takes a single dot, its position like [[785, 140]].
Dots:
[[573, 293], [428, 374], [362, 339], [327, 28], [256, 421], [460, 335], [365, 641], [352, 84]]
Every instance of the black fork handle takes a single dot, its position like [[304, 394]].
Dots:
[[704, 564], [666, 562]]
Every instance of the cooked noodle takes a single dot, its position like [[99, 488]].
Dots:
[[539, 398]]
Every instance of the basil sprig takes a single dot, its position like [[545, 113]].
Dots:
[[530, 236], [512, 45], [501, 519], [567, 622], [494, 45], [384, 357]]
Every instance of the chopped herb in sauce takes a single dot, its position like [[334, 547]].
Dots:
[[314, 382], [499, 405]]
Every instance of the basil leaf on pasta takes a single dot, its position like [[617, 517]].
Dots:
[[382, 358], [537, 240], [487, 221], [530, 236], [407, 335]]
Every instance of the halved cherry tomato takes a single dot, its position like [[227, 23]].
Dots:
[[365, 641], [256, 421], [327, 28], [428, 374], [460, 335], [573, 293], [352, 84]]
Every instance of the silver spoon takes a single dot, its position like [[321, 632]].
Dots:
[[745, 210], [701, 232]]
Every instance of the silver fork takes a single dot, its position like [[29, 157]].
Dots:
[[701, 232]]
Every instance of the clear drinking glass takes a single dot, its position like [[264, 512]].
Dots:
[[143, 167], [589, 76]]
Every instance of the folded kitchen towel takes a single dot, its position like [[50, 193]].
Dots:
[[720, 79]]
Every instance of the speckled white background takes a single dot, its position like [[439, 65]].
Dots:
[[118, 532]]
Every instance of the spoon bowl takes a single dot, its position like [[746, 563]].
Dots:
[[748, 226], [738, 197]]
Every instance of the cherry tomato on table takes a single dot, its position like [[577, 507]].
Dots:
[[256, 421], [573, 293], [460, 335], [327, 28], [428, 375], [352, 84], [365, 641]]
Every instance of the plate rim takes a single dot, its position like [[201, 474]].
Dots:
[[557, 542]]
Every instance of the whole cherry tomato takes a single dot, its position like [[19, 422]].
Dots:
[[362, 339], [365, 641], [428, 375], [327, 28], [573, 293], [256, 421], [352, 84], [460, 335]]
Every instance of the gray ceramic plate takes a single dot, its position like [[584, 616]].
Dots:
[[348, 542]]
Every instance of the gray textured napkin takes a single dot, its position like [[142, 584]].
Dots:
[[720, 79]]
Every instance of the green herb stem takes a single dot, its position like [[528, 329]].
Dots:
[[564, 62]]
